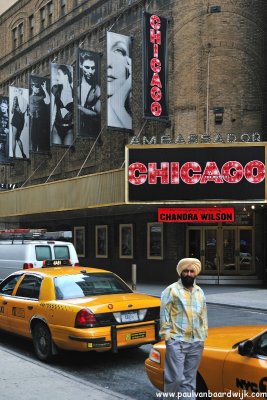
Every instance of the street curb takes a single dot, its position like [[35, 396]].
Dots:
[[263, 310]]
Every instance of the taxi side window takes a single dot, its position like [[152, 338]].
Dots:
[[261, 348], [29, 287], [8, 285]]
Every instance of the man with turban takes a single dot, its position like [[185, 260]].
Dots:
[[184, 327]]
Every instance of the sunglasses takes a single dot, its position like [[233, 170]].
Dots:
[[189, 270]]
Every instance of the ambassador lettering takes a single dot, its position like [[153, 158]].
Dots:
[[192, 173]]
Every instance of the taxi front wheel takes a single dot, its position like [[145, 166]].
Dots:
[[42, 342]]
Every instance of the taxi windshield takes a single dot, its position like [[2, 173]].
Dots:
[[85, 285]]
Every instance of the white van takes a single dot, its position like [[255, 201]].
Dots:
[[24, 254]]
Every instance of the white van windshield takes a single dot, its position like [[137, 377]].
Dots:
[[61, 252], [43, 253]]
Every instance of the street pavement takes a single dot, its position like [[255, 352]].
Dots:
[[25, 379], [252, 297]]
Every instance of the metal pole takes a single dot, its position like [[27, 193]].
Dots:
[[218, 268], [208, 93], [134, 276]]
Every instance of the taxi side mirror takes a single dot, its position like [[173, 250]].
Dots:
[[245, 348]]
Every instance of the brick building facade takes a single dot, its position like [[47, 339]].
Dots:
[[217, 91]]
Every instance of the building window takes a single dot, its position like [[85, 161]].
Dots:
[[79, 240], [155, 241], [126, 241], [42, 18], [63, 7], [20, 33], [50, 9], [31, 25], [15, 37], [101, 241]]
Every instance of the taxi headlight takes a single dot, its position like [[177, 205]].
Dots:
[[154, 355]]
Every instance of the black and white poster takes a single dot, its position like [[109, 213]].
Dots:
[[89, 92], [4, 128], [18, 122], [39, 110], [119, 81], [61, 120]]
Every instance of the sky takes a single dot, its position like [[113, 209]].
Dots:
[[5, 4]]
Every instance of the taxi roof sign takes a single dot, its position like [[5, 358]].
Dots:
[[56, 263]]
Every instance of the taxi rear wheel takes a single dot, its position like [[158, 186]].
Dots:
[[42, 342]]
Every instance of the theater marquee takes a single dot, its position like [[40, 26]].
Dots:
[[196, 174]]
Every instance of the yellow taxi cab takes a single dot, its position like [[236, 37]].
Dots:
[[233, 365], [76, 308]]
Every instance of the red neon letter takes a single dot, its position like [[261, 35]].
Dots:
[[155, 36], [211, 173], [156, 108], [174, 173], [155, 22], [155, 65], [162, 173], [232, 172], [254, 166], [155, 81], [155, 50], [155, 93], [141, 170], [185, 171]]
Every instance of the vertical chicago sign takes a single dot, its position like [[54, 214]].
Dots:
[[155, 66]]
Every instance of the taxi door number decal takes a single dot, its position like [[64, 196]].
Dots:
[[18, 312]]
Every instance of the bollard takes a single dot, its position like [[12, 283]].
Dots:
[[133, 276]]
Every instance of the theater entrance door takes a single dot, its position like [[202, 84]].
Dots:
[[222, 250]]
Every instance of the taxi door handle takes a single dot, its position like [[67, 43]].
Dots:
[[30, 307], [4, 302]]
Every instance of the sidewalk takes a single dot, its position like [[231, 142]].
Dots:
[[25, 379], [238, 296]]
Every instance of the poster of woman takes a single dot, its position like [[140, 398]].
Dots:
[[39, 107], [61, 123], [18, 122], [119, 80], [4, 128]]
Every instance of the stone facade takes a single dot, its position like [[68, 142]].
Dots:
[[217, 61]]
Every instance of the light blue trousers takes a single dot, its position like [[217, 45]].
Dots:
[[181, 363]]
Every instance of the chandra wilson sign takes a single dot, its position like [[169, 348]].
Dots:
[[197, 174]]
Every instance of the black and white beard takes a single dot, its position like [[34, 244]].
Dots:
[[187, 281]]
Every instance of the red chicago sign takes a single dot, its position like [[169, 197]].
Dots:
[[155, 65], [192, 173]]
